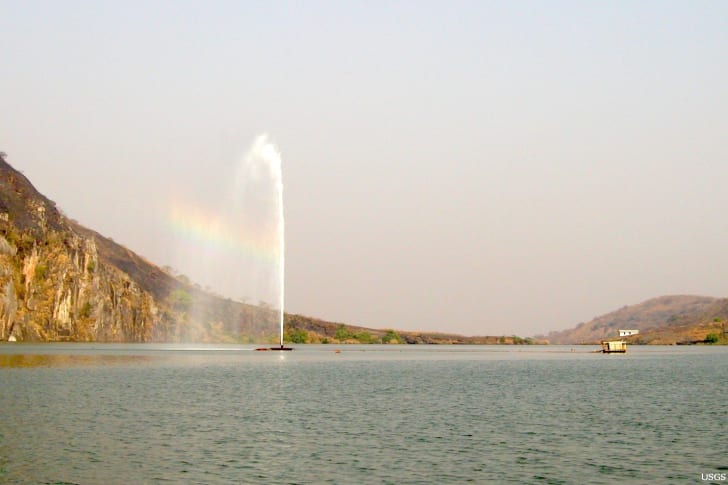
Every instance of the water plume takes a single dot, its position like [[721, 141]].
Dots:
[[238, 248], [259, 184]]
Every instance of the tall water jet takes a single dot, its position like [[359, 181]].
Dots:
[[262, 164], [281, 241], [238, 248]]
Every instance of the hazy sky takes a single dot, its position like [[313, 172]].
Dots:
[[476, 167]]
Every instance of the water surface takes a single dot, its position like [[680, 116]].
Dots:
[[93, 413]]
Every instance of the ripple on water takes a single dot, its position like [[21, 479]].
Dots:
[[400, 421]]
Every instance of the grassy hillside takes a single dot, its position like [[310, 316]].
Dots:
[[665, 320], [301, 329], [706, 326]]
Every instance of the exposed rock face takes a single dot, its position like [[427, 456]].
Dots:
[[60, 281]]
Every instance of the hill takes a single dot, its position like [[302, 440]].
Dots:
[[61, 281], [699, 327], [662, 320], [300, 329]]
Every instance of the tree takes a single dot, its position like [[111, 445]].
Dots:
[[342, 333], [391, 337], [364, 337], [41, 271], [712, 338], [85, 310], [183, 278], [296, 336], [180, 300]]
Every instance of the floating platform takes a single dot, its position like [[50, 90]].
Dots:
[[280, 349], [614, 347]]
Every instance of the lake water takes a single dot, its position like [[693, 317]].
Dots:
[[83, 413]]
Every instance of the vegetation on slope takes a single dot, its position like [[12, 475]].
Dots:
[[300, 329], [663, 320], [707, 326]]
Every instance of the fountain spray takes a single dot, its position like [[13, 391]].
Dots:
[[264, 161], [281, 244]]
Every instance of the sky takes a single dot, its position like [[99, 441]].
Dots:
[[484, 167]]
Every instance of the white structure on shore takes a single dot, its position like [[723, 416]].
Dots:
[[627, 333]]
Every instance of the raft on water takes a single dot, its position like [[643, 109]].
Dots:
[[281, 348], [614, 346]]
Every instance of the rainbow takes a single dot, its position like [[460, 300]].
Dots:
[[212, 230]]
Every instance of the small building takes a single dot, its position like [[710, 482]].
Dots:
[[627, 333], [614, 346]]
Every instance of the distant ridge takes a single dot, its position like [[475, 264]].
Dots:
[[667, 319]]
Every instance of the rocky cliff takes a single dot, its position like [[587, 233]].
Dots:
[[61, 281]]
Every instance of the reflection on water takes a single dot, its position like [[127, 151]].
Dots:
[[69, 360]]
